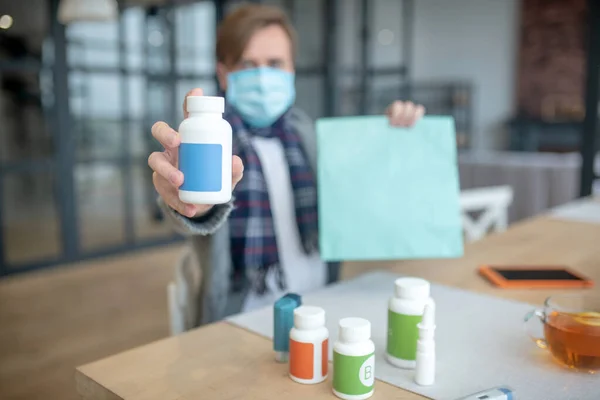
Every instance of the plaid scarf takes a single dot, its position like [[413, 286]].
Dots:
[[252, 231]]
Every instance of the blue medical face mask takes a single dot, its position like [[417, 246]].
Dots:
[[261, 95]]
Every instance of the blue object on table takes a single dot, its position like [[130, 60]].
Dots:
[[283, 322], [497, 393], [386, 192]]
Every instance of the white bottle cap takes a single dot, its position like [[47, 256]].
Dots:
[[412, 288], [428, 319], [207, 104], [427, 325], [354, 330], [309, 317]]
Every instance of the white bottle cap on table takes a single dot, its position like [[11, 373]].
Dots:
[[309, 317], [412, 288], [354, 330], [207, 104]]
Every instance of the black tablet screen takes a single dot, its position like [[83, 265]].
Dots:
[[536, 274]]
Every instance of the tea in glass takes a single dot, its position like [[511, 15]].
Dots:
[[574, 339], [571, 330]]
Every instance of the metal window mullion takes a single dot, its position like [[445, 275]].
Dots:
[[589, 132], [65, 143], [126, 168], [219, 15], [290, 7], [170, 24], [330, 27], [150, 193], [3, 261], [408, 12], [365, 37]]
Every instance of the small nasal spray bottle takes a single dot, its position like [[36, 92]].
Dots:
[[283, 322], [425, 362]]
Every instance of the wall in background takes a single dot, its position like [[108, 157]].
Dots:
[[458, 40], [552, 58], [472, 40]]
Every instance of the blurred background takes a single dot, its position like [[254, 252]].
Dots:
[[78, 98]]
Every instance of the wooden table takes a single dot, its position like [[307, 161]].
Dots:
[[222, 361]]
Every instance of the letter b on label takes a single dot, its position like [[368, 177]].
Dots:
[[367, 372]]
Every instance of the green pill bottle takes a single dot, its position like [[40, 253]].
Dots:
[[405, 312], [354, 360]]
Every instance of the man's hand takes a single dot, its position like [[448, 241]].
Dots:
[[167, 178], [404, 114]]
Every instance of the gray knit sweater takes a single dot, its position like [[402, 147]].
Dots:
[[208, 254]]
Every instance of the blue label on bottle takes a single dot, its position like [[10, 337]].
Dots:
[[202, 166]]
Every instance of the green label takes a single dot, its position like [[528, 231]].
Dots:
[[353, 375], [403, 335]]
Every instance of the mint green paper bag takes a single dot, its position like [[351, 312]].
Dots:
[[388, 193]]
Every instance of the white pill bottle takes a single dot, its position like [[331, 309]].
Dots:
[[205, 152], [354, 360], [405, 312], [309, 346]]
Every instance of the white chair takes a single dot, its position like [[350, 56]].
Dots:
[[492, 205], [176, 320], [181, 293]]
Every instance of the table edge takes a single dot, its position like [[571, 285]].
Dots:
[[88, 388]]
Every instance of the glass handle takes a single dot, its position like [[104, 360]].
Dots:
[[540, 342]]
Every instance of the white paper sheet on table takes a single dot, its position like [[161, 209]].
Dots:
[[584, 210], [480, 341]]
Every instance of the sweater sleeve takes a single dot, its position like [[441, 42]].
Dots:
[[205, 225]]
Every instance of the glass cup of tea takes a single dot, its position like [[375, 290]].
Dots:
[[571, 326]]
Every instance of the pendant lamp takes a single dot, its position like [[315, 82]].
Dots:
[[87, 10]]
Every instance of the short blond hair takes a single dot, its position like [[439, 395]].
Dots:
[[237, 28]]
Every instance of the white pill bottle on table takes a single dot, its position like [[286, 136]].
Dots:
[[354, 360], [309, 346], [205, 152], [405, 312]]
